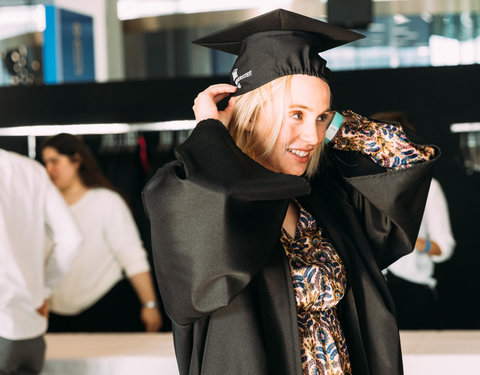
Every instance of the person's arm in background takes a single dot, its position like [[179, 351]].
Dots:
[[124, 239], [66, 239], [433, 248], [440, 239], [143, 284]]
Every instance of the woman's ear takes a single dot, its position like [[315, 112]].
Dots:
[[253, 120], [249, 125], [77, 159]]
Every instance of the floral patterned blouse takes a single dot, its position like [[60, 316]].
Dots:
[[319, 276], [319, 282]]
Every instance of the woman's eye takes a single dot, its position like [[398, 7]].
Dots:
[[297, 116], [322, 118]]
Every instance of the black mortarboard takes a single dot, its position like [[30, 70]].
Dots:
[[276, 44]]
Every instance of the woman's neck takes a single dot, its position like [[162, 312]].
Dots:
[[291, 219], [73, 193]]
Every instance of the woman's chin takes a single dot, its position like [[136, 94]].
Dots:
[[295, 171]]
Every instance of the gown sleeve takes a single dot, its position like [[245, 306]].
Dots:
[[207, 211], [389, 177]]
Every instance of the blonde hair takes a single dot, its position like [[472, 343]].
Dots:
[[245, 118]]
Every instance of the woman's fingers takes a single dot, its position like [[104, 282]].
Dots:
[[216, 92], [205, 104], [226, 114], [219, 97], [220, 88], [152, 319]]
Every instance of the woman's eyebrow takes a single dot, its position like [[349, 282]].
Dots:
[[303, 106]]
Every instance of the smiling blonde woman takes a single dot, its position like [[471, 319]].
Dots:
[[268, 256]]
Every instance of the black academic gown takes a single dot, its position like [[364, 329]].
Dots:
[[216, 218]]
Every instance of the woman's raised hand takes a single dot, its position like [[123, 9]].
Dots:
[[205, 104]]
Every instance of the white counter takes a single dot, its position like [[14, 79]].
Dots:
[[110, 354], [441, 352], [424, 353]]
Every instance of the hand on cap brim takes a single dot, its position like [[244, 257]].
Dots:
[[205, 104]]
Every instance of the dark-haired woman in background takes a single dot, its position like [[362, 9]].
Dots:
[[95, 295]]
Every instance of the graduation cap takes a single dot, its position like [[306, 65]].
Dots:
[[276, 44]]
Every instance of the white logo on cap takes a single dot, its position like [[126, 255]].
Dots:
[[237, 79]]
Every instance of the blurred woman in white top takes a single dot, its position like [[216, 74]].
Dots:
[[109, 286]]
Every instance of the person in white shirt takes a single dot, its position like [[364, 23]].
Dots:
[[411, 279], [96, 296], [30, 206]]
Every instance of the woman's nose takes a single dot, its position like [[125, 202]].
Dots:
[[49, 169], [310, 133]]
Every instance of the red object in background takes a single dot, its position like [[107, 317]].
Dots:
[[143, 153]]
